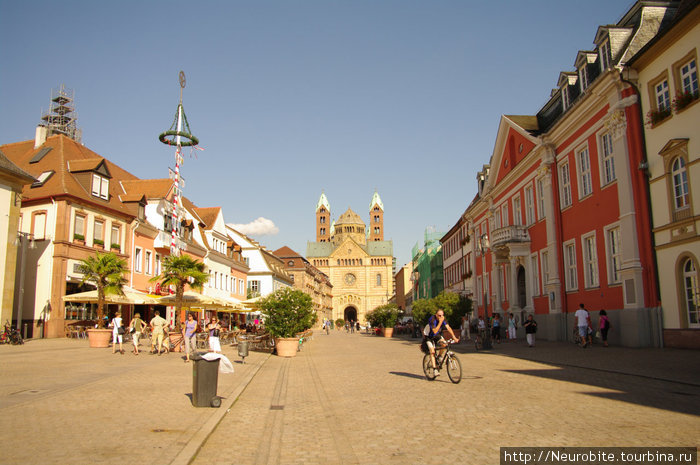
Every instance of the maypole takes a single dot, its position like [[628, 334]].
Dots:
[[179, 130]]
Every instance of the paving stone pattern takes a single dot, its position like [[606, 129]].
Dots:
[[359, 399]]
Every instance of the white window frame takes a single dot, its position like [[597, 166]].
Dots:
[[138, 259], [605, 57], [504, 215], [539, 185], [607, 159], [613, 253], [565, 97], [689, 77], [517, 211], [570, 270], [529, 205], [679, 178], [691, 292], [585, 179], [148, 255], [565, 184], [589, 252], [662, 95], [497, 219], [535, 273], [502, 282], [100, 186], [157, 264], [100, 237], [583, 76]]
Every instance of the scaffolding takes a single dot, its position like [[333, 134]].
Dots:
[[62, 117]]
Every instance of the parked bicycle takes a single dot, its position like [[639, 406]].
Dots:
[[448, 359], [10, 335]]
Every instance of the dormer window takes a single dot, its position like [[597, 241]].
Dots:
[[100, 186], [565, 97], [583, 77], [604, 52]]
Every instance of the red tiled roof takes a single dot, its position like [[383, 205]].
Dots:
[[63, 182], [151, 188], [208, 215], [286, 252]]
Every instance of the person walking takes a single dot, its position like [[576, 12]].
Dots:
[[465, 329], [583, 320], [136, 327], [604, 326], [158, 325], [512, 327], [496, 328], [214, 331], [530, 326], [117, 333], [189, 333]]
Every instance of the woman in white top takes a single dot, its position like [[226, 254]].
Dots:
[[214, 330], [116, 324]]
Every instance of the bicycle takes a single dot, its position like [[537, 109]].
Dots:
[[11, 336], [454, 366], [479, 339]]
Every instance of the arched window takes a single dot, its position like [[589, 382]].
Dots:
[[691, 293], [680, 183], [379, 279]]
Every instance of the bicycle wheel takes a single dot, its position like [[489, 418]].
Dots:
[[454, 368], [428, 369], [477, 344]]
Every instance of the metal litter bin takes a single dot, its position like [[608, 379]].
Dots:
[[205, 378], [243, 345]]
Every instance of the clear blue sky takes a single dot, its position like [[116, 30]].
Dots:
[[290, 98]]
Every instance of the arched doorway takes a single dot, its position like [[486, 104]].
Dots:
[[522, 293], [350, 314]]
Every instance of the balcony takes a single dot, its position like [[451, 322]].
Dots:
[[503, 237], [162, 241]]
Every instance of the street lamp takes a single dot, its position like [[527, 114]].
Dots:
[[483, 248], [22, 239]]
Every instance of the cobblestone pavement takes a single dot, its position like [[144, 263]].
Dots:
[[64, 403], [345, 399], [359, 399]]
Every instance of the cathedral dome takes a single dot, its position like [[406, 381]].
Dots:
[[349, 217]]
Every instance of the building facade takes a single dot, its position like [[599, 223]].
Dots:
[[355, 257], [309, 280], [665, 73], [428, 273], [561, 217], [404, 288]]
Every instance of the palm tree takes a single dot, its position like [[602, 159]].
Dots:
[[106, 272], [180, 271]]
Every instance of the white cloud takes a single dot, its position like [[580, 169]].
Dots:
[[260, 227]]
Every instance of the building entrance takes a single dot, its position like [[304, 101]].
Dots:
[[350, 314], [522, 293]]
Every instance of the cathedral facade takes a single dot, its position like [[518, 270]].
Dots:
[[356, 258]]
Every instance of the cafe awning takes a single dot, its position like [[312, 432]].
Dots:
[[130, 297]]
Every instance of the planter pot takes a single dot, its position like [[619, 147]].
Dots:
[[388, 332], [287, 346], [176, 341], [99, 337]]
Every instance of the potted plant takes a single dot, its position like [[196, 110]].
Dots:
[[287, 312], [683, 99], [339, 324], [116, 247], [654, 117], [384, 316], [106, 272], [79, 238], [98, 242]]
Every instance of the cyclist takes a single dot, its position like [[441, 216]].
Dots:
[[433, 330]]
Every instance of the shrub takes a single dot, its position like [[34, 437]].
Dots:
[[385, 316], [339, 323], [287, 312]]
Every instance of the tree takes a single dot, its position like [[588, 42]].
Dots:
[[422, 310], [287, 312], [454, 306], [106, 272], [179, 271], [385, 316]]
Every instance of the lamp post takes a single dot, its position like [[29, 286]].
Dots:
[[483, 248], [22, 238]]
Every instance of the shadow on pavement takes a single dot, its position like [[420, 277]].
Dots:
[[660, 394], [407, 375]]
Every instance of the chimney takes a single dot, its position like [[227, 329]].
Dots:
[[40, 136]]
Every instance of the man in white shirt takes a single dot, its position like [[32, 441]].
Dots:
[[582, 321], [158, 324]]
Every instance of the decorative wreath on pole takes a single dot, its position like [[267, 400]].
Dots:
[[169, 137]]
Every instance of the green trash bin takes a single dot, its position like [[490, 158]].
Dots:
[[205, 378]]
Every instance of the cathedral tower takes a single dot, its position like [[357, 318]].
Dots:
[[376, 219], [323, 216]]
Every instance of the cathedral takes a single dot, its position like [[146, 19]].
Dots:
[[356, 258]]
